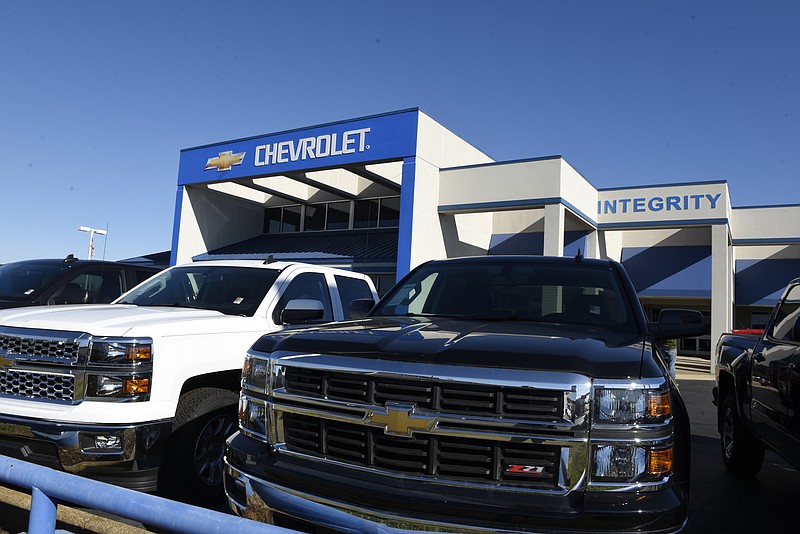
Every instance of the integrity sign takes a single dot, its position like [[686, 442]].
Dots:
[[667, 203]]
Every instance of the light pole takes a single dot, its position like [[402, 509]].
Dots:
[[92, 231]]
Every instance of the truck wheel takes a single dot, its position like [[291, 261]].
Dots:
[[205, 418], [742, 454]]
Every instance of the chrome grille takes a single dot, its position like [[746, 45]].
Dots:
[[454, 458], [429, 394], [35, 385], [39, 347]]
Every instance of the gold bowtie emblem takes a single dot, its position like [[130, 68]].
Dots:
[[400, 420], [225, 160]]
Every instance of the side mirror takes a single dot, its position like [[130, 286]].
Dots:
[[676, 323], [302, 310], [359, 308]]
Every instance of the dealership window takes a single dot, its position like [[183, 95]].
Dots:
[[369, 213], [315, 217], [291, 219], [285, 219], [389, 214], [365, 213], [338, 216], [272, 220]]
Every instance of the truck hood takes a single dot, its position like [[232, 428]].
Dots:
[[595, 352], [124, 320]]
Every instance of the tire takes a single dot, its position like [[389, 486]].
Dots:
[[192, 473], [742, 453]]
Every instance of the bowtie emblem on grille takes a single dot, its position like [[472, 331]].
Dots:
[[399, 419], [6, 362]]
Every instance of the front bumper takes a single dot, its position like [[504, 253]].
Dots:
[[131, 457], [293, 492]]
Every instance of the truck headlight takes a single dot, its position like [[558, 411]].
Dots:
[[118, 387], [256, 374], [107, 351], [631, 406], [253, 416], [631, 463]]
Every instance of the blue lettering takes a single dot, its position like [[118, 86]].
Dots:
[[638, 204], [656, 204], [697, 199], [611, 206], [673, 203], [624, 202], [713, 200]]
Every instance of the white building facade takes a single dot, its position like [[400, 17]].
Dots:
[[385, 193]]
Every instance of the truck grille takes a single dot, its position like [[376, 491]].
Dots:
[[471, 460], [56, 349], [429, 394], [33, 385]]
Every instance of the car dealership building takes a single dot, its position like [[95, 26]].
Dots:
[[382, 194]]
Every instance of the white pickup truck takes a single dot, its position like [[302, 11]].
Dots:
[[142, 392]]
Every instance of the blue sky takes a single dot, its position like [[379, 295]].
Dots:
[[100, 97]]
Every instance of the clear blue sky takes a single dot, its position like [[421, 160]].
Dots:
[[98, 98]]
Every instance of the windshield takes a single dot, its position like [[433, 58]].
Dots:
[[557, 293], [21, 280], [230, 290]]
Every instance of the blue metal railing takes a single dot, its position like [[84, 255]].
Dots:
[[48, 486]]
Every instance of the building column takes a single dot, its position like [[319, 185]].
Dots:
[[554, 219], [721, 286], [592, 244]]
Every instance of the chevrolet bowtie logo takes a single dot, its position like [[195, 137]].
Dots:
[[225, 161], [400, 420], [6, 362]]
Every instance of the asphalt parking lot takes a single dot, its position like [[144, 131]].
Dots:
[[719, 502]]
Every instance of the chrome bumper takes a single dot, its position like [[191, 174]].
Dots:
[[103, 452]]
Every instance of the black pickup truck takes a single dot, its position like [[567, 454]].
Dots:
[[521, 394], [758, 389], [67, 281]]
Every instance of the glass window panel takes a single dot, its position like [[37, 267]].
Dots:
[[315, 217], [272, 220], [338, 216], [291, 219], [390, 212], [365, 214]]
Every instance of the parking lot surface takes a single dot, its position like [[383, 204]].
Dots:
[[723, 503]]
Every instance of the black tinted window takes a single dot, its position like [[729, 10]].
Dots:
[[558, 293], [787, 319], [99, 286], [352, 290], [23, 280], [227, 289]]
